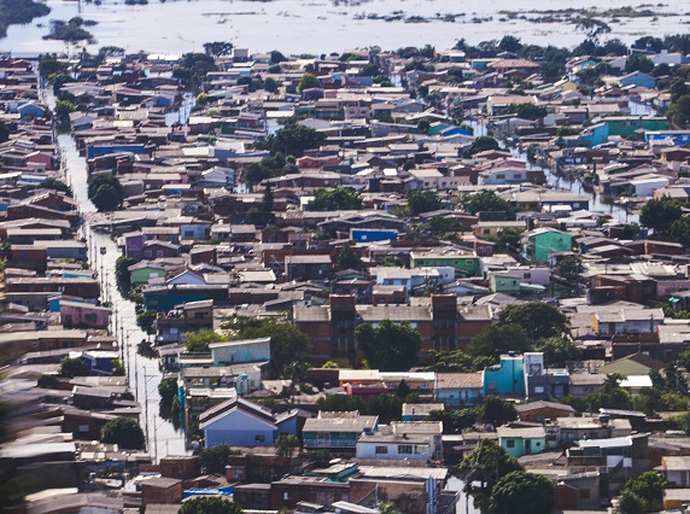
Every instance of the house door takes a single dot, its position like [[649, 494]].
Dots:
[[528, 447]]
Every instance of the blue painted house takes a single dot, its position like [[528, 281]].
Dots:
[[679, 137], [31, 110], [365, 235], [239, 422], [638, 79], [459, 389], [98, 150], [507, 377]]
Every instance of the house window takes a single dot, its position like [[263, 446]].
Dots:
[[83, 428], [260, 438], [381, 450], [510, 443], [405, 449]]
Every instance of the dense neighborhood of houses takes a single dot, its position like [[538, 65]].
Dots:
[[355, 283]]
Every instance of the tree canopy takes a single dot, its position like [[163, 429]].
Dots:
[[660, 214], [209, 505], [293, 139], [496, 411], [649, 489], [485, 200], [308, 81], [199, 341], [73, 367], [481, 470], [499, 339], [481, 144], [105, 191], [389, 346], [124, 432], [678, 112], [558, 351], [338, 198], [519, 492], [193, 68], [421, 201], [288, 345], [537, 319]]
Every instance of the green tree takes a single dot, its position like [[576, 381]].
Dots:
[[48, 382], [684, 358], [389, 346], [660, 214], [455, 360], [529, 111], [483, 201], [122, 275], [457, 420], [146, 320], [340, 403], [680, 230], [199, 341], [388, 508], [192, 69], [570, 267], [338, 198], [611, 395], [308, 81], [421, 201], [73, 368], [167, 389], [348, 258], [62, 110], [638, 62], [678, 112], [288, 344], [209, 505], [387, 407], [423, 126], [629, 503], [218, 48], [105, 191], [498, 339], [56, 185], [214, 459], [481, 470], [496, 411], [286, 444], [294, 139], [537, 319], [519, 492], [123, 431], [508, 239], [271, 85], [267, 201], [649, 488], [481, 144], [559, 350]]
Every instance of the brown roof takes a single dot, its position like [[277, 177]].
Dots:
[[467, 380]]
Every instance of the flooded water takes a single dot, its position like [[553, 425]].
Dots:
[[315, 26], [143, 374]]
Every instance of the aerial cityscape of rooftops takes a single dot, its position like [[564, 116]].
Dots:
[[445, 276]]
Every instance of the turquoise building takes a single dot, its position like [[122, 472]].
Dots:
[[539, 244], [507, 377]]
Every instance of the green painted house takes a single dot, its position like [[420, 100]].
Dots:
[[142, 272], [539, 244], [465, 265], [521, 441]]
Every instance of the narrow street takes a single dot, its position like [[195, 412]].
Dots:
[[143, 374]]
